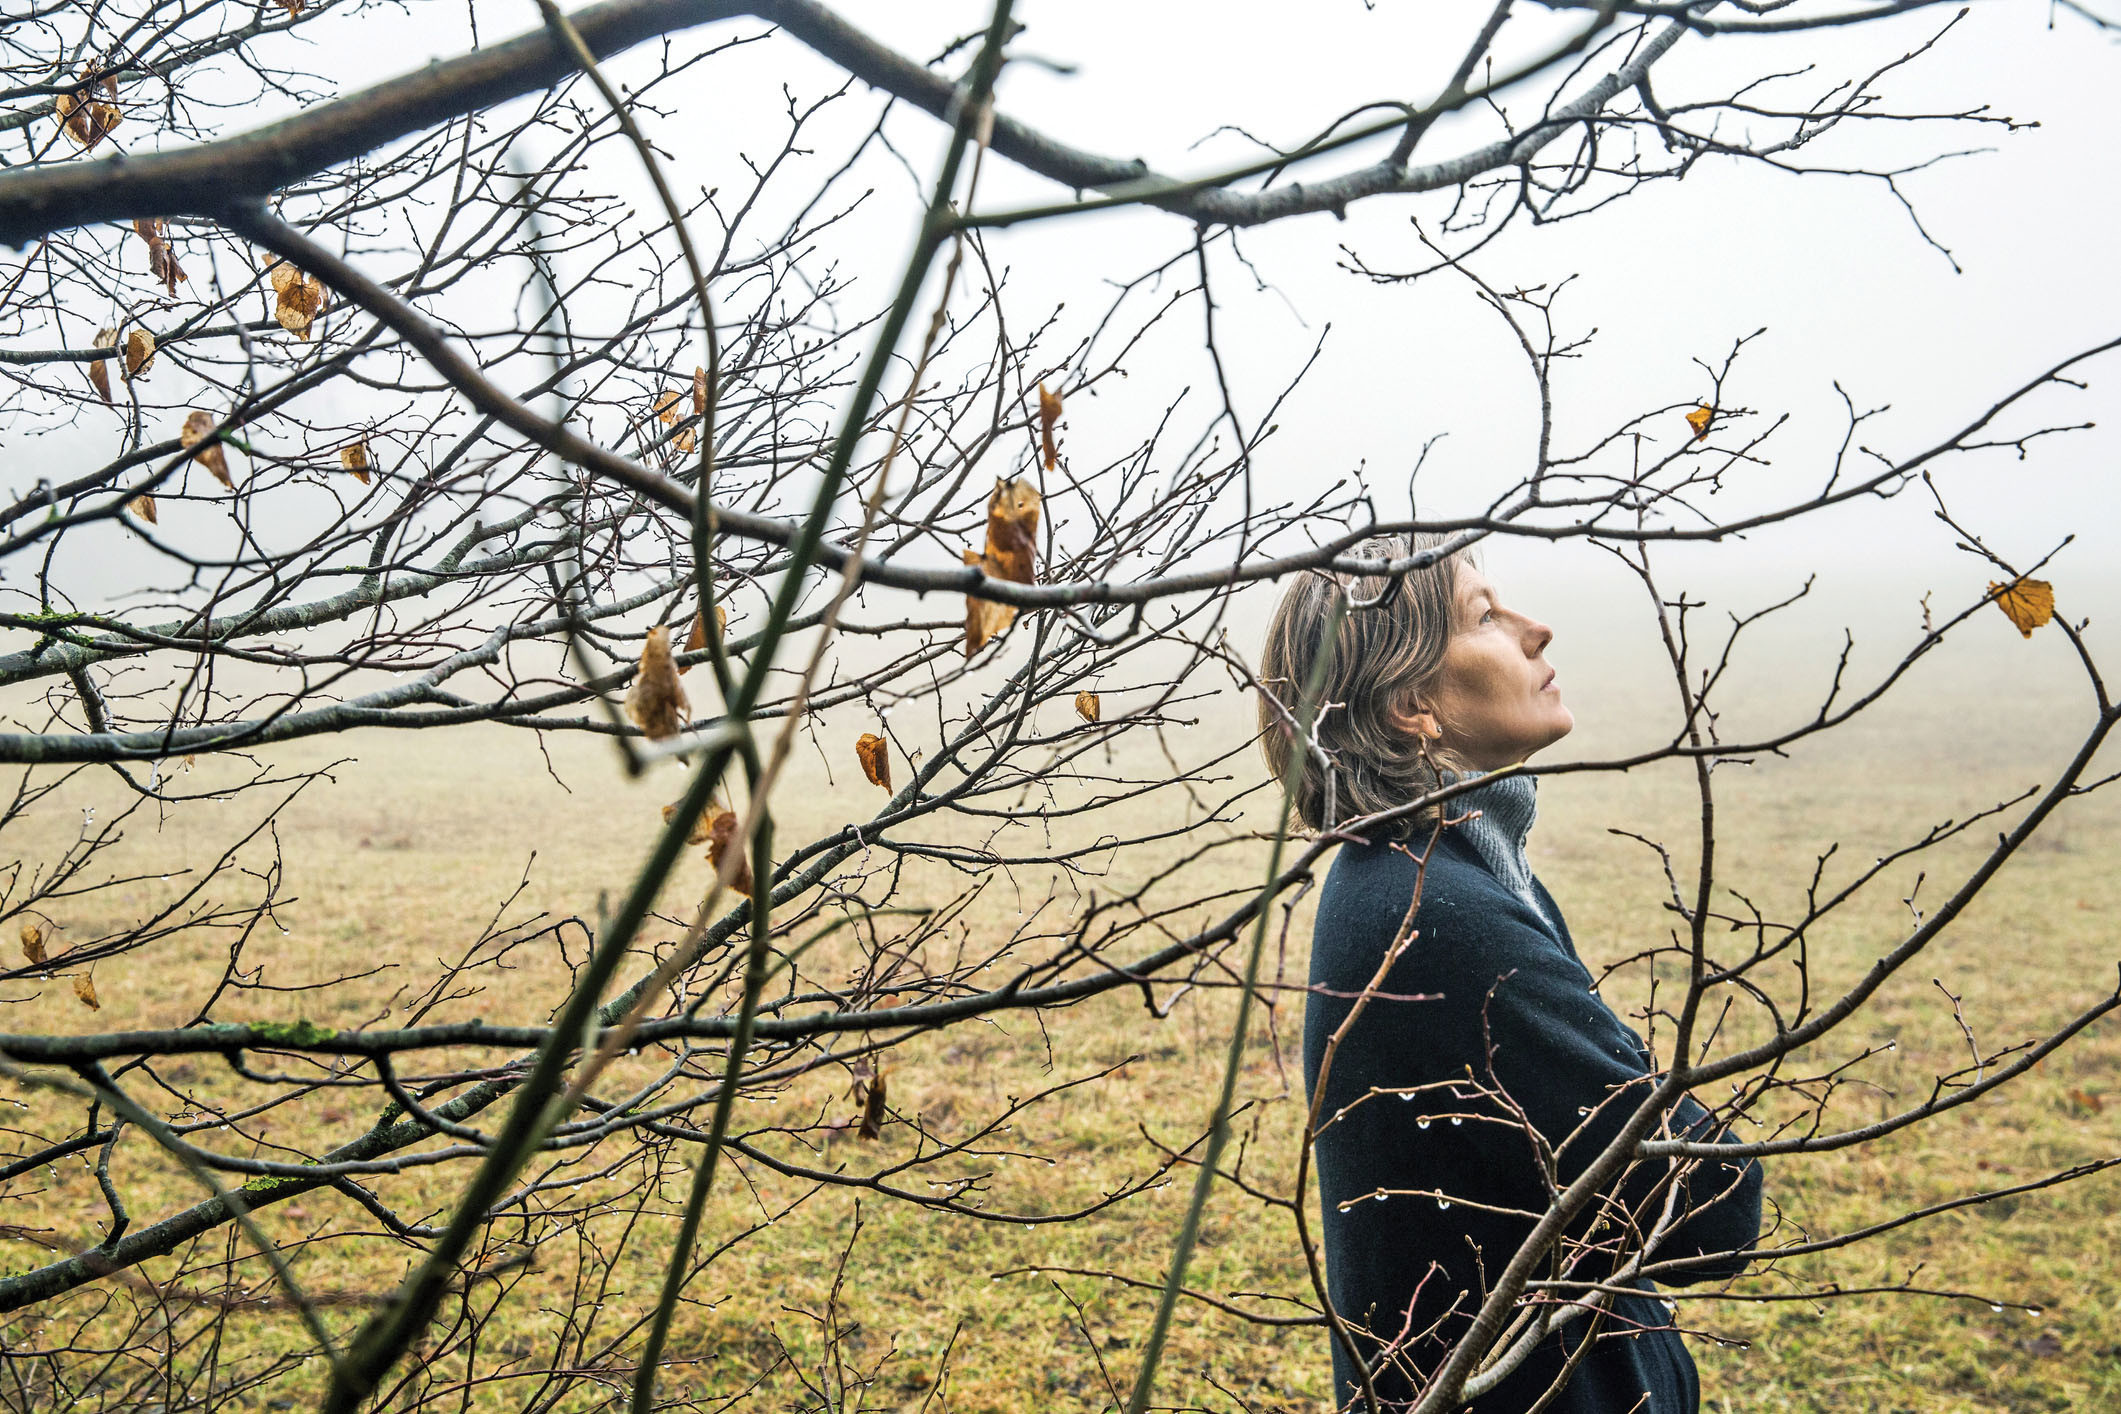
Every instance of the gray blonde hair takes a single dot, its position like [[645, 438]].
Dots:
[[1388, 655]]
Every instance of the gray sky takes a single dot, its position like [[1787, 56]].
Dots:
[[1832, 268]]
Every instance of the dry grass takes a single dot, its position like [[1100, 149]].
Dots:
[[404, 859]]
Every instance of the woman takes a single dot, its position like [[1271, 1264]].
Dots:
[[1461, 1063]]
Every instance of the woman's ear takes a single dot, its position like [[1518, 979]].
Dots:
[[1412, 718]]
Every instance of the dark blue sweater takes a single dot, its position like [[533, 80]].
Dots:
[[1558, 1052]]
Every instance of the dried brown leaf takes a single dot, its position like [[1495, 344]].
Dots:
[[699, 392], [198, 426], [700, 825], [354, 457], [160, 262], [301, 300], [143, 506], [33, 943], [1012, 530], [99, 371], [85, 992], [696, 638], [139, 353], [86, 120], [875, 755], [721, 833], [2029, 603], [72, 113], [1049, 411], [1087, 706], [873, 1100], [164, 267], [656, 702], [666, 407]]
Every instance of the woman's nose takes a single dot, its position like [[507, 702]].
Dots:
[[1537, 637]]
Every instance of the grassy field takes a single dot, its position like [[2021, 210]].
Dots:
[[406, 854]]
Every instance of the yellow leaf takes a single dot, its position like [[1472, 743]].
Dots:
[[1699, 419], [33, 944], [721, 833], [2029, 603], [1087, 706], [85, 991], [139, 353], [143, 506], [354, 457], [1049, 411], [212, 457], [1012, 529], [875, 755], [656, 702]]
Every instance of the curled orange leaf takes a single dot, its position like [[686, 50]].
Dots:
[[1699, 419], [85, 992], [354, 457], [33, 943], [875, 755], [1087, 706], [1049, 411], [143, 506]]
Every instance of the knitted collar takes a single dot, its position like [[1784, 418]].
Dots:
[[1507, 807]]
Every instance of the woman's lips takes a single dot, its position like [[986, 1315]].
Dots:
[[1548, 685]]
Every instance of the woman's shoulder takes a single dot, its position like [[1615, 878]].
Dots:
[[1384, 874], [1464, 911]]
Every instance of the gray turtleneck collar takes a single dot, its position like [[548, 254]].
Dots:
[[1506, 809]]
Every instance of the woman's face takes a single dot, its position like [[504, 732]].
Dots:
[[1498, 701]]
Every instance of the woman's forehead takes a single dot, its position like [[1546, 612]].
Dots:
[[1472, 584]]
